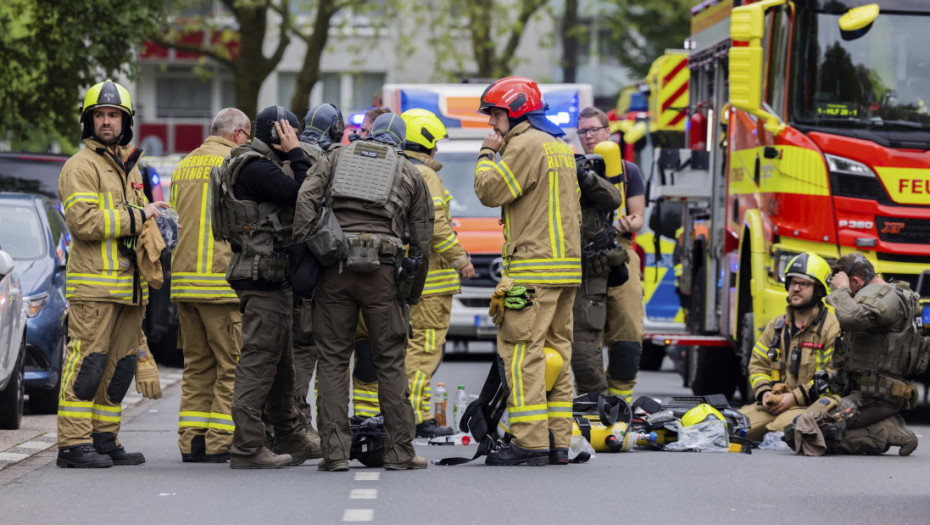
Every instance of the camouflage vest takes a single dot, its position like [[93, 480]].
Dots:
[[368, 179]]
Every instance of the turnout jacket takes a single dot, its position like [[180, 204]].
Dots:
[[199, 263], [535, 184], [103, 199], [447, 256], [815, 341]]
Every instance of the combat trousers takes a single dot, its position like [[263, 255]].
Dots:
[[762, 422], [624, 331], [264, 385], [98, 368], [589, 315], [866, 433], [337, 301], [429, 320], [211, 336], [305, 358], [521, 339]]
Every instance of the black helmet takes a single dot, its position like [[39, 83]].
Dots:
[[264, 123], [368, 440], [390, 129], [324, 124]]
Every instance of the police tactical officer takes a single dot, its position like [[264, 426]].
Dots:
[[792, 349], [882, 342], [101, 190], [208, 314], [535, 184], [380, 203], [254, 206]]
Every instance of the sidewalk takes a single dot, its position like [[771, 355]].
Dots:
[[38, 432]]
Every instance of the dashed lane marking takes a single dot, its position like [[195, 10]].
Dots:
[[363, 494], [358, 515], [367, 476]]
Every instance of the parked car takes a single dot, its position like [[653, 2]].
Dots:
[[34, 233], [12, 344]]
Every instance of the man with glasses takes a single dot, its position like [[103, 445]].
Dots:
[[208, 309], [623, 330]]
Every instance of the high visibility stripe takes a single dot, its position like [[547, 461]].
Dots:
[[546, 278], [621, 210], [447, 243], [221, 422], [541, 264], [76, 409], [504, 170], [528, 413], [201, 293], [107, 413], [522, 270], [441, 281], [627, 395], [439, 203], [194, 277], [755, 379], [364, 394], [516, 374], [416, 395], [81, 196], [761, 350], [205, 253], [69, 368], [556, 235], [560, 409], [365, 412]]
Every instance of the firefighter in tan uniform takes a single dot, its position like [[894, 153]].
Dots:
[[793, 347], [208, 309], [429, 319], [536, 187], [378, 198], [101, 190]]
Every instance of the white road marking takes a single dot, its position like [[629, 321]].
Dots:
[[363, 494], [367, 476], [35, 445], [12, 456], [359, 515]]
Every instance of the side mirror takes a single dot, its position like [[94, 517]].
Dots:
[[857, 21], [6, 263]]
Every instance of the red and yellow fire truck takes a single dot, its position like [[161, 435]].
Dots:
[[816, 138]]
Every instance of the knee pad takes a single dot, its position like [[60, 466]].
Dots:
[[365, 363], [122, 378], [624, 360], [88, 379]]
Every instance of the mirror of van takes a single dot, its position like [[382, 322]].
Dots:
[[857, 21]]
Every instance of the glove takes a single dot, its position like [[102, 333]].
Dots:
[[600, 264], [496, 311], [147, 376]]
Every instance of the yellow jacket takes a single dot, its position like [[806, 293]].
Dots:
[[198, 264], [447, 256], [103, 200], [535, 184]]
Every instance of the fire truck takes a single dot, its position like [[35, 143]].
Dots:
[[809, 131]]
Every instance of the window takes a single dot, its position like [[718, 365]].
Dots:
[[364, 88], [183, 97], [287, 83], [330, 83], [777, 74]]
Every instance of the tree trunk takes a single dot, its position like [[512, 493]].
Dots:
[[570, 33], [309, 73]]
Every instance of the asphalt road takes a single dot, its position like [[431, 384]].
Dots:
[[641, 486]]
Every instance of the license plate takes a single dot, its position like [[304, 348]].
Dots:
[[484, 321]]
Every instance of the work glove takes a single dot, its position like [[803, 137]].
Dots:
[[496, 311], [147, 382], [517, 298]]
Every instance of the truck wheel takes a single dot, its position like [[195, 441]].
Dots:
[[652, 356], [13, 396], [715, 371]]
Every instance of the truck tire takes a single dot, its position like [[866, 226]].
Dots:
[[13, 396], [715, 371]]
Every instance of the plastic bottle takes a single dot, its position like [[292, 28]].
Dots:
[[458, 409], [439, 406]]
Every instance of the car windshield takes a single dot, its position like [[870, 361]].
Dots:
[[20, 232], [458, 176], [880, 80]]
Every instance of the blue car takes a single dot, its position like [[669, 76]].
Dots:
[[33, 232]]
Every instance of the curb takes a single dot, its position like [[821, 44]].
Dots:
[[47, 440]]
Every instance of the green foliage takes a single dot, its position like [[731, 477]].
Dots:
[[642, 30], [52, 50]]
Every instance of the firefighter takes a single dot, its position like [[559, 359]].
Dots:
[[429, 319], [257, 193], [793, 347], [378, 198], [101, 190], [623, 330], [882, 341], [536, 186], [208, 309]]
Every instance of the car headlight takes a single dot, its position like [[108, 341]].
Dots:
[[848, 166], [35, 303], [782, 260]]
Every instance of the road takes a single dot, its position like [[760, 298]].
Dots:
[[640, 485]]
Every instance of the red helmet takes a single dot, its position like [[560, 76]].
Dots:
[[517, 95]]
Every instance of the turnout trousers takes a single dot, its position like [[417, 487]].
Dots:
[[337, 301], [211, 336], [623, 332], [99, 367], [521, 339], [429, 321], [264, 384], [762, 422]]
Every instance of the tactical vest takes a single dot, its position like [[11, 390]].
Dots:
[[368, 178], [258, 228], [879, 351]]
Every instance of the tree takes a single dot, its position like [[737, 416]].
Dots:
[[643, 29], [489, 18], [315, 39], [52, 50]]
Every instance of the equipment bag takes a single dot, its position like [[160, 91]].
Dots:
[[326, 240]]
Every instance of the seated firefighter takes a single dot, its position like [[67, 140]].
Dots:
[[793, 347]]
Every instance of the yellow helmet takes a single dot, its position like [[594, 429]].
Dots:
[[809, 266], [701, 413], [107, 94], [423, 128], [554, 364]]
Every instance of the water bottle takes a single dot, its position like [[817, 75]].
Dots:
[[458, 409], [439, 405]]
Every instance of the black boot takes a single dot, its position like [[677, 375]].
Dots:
[[430, 429], [558, 456], [82, 456], [198, 453], [510, 455], [105, 443]]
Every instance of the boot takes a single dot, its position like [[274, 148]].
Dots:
[[105, 443], [899, 435], [509, 455], [333, 465], [300, 446], [414, 463], [264, 458], [558, 456], [82, 456], [198, 453], [430, 429]]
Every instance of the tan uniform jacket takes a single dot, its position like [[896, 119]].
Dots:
[[103, 200], [447, 256], [536, 186], [815, 340], [199, 263]]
